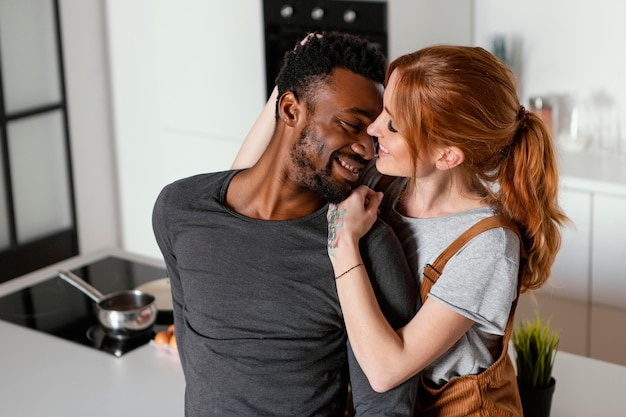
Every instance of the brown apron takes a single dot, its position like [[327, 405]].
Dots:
[[491, 393]]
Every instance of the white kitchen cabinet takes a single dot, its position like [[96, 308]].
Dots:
[[569, 317], [607, 334], [564, 298], [570, 272], [586, 294], [609, 251]]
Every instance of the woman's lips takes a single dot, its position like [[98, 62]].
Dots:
[[382, 150]]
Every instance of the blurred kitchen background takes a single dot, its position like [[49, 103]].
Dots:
[[103, 102]]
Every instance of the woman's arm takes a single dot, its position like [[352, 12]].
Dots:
[[259, 136], [387, 357]]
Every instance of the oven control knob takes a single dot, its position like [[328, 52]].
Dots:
[[317, 13], [349, 16], [286, 11]]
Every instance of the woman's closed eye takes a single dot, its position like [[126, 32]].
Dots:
[[391, 128]]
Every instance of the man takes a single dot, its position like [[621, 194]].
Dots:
[[258, 324]]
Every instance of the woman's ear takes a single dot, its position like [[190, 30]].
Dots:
[[289, 108], [449, 158]]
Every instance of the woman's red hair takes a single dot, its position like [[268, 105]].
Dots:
[[466, 97]]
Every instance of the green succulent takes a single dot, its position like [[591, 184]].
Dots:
[[535, 348]]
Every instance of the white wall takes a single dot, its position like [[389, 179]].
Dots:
[[414, 24], [567, 46], [187, 81], [87, 85]]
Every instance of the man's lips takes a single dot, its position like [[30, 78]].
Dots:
[[350, 167]]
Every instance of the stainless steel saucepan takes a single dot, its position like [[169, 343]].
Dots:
[[119, 312]]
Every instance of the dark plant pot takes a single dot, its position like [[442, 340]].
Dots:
[[537, 402]]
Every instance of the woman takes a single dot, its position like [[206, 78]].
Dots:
[[452, 128]]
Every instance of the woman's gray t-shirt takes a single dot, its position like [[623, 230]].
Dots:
[[479, 282]]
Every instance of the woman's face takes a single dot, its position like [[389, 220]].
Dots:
[[394, 157]]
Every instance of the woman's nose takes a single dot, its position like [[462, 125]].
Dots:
[[372, 128]]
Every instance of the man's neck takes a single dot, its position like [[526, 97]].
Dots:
[[267, 192]]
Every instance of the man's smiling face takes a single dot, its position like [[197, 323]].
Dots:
[[333, 146]]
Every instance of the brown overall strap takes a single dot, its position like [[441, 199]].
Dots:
[[493, 390], [434, 270]]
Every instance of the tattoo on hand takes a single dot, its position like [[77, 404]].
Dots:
[[335, 223]]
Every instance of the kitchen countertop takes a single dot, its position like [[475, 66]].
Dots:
[[588, 387], [44, 375]]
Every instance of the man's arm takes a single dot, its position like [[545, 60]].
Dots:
[[160, 221]]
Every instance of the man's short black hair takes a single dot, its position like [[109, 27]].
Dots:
[[310, 63]]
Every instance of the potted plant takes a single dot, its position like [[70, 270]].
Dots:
[[535, 346]]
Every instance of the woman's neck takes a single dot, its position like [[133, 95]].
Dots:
[[429, 199]]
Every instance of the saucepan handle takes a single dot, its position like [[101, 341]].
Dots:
[[83, 286]]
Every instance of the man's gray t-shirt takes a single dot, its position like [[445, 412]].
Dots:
[[258, 321]]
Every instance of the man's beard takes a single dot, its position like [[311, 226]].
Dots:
[[304, 152]]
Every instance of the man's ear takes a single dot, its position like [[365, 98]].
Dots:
[[449, 158], [289, 108]]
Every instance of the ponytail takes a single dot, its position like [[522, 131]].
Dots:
[[528, 194]]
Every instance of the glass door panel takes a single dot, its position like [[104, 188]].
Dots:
[[29, 54], [39, 176], [37, 217]]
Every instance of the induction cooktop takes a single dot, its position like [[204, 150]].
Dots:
[[55, 307]]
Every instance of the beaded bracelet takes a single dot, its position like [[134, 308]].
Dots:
[[348, 270]]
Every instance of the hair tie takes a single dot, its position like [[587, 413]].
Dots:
[[523, 116]]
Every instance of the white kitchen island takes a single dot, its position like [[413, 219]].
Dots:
[[42, 375]]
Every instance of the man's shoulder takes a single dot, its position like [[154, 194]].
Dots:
[[382, 248], [394, 283], [198, 183], [193, 190], [380, 232], [202, 180]]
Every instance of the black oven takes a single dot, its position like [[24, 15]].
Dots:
[[287, 21]]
